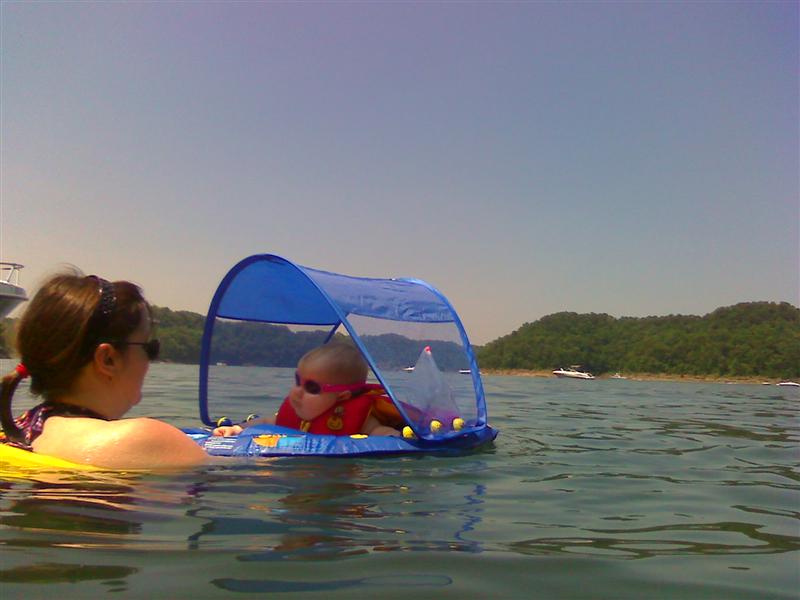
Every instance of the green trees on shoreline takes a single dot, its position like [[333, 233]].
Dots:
[[244, 343], [758, 339], [748, 339]]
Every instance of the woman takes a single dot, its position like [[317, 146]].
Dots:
[[85, 343]]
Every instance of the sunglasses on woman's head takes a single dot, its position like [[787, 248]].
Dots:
[[312, 387], [101, 316], [150, 347]]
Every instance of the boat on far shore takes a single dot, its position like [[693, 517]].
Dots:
[[11, 293], [788, 384], [573, 373]]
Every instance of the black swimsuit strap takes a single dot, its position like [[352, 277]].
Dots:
[[31, 422], [60, 409]]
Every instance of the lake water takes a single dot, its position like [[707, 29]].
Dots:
[[593, 489]]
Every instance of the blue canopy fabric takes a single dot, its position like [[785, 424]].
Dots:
[[273, 290], [270, 289]]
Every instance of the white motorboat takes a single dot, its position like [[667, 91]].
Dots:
[[465, 371], [573, 373], [788, 384], [11, 293], [408, 369]]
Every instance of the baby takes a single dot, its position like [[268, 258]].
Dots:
[[330, 396]]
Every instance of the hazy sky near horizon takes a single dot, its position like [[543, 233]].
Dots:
[[525, 158]]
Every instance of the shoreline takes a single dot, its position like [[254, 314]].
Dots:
[[642, 376]]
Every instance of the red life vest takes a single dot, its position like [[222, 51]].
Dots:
[[343, 418]]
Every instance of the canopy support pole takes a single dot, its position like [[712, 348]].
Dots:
[[333, 331]]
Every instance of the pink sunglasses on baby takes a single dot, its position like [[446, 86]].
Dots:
[[312, 387]]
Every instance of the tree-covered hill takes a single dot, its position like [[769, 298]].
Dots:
[[759, 339], [748, 339], [242, 343]]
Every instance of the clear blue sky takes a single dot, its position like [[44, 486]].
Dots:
[[526, 158]]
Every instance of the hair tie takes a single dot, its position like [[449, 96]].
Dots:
[[22, 371]]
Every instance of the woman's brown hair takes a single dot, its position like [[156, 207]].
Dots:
[[60, 330]]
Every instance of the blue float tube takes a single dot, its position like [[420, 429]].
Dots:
[[266, 288], [272, 440]]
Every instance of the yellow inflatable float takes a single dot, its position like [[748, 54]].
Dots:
[[13, 460]]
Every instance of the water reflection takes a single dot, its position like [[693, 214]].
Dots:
[[59, 513], [86, 510], [394, 582], [332, 509], [644, 545], [67, 573]]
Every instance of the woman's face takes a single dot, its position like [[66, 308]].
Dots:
[[134, 365]]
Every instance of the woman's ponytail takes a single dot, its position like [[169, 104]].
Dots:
[[9, 386]]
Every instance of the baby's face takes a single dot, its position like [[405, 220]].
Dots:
[[307, 405]]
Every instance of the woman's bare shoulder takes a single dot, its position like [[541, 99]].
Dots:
[[137, 443]]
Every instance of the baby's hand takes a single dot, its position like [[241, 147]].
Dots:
[[384, 430], [227, 431]]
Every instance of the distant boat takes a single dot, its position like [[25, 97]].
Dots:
[[465, 371], [618, 376], [788, 384], [11, 293], [573, 373], [408, 369]]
